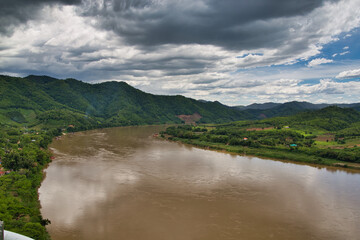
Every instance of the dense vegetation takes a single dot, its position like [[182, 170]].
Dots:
[[23, 151], [328, 136], [33, 99]]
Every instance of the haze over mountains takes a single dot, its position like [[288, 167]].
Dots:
[[47, 101]]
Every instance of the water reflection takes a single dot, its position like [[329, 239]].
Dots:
[[123, 184]]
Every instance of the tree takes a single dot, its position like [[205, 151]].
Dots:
[[15, 160]]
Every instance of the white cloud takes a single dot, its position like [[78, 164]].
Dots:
[[344, 53], [318, 61], [285, 90], [346, 48], [349, 74]]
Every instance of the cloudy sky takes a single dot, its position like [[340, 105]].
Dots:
[[234, 51]]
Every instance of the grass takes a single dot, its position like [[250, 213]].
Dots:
[[29, 114], [349, 143], [326, 144]]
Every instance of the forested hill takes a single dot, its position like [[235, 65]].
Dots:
[[331, 118], [269, 110], [42, 100]]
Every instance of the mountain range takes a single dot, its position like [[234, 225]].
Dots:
[[42, 100], [45, 101], [270, 109]]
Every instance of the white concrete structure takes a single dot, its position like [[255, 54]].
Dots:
[[14, 236]]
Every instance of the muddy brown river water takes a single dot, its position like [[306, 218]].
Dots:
[[121, 183]]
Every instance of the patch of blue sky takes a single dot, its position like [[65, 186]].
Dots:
[[247, 54], [344, 53], [311, 81], [347, 47]]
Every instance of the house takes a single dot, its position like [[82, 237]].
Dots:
[[293, 145], [245, 139]]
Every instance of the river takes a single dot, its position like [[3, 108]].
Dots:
[[122, 183]]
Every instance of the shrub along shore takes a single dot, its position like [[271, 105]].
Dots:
[[273, 154], [281, 144]]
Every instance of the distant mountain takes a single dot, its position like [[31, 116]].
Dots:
[[48, 101], [45, 101], [355, 106], [330, 118], [268, 110], [261, 106]]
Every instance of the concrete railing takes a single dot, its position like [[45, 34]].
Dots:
[[14, 236], [7, 235], [1, 230]]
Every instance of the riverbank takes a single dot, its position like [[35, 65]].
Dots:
[[300, 152], [269, 154]]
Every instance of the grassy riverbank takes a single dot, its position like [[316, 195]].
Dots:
[[296, 156], [328, 137]]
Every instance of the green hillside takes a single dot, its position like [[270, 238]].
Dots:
[[328, 119], [33, 99]]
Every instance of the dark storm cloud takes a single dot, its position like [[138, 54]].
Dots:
[[168, 66], [231, 24], [15, 12]]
